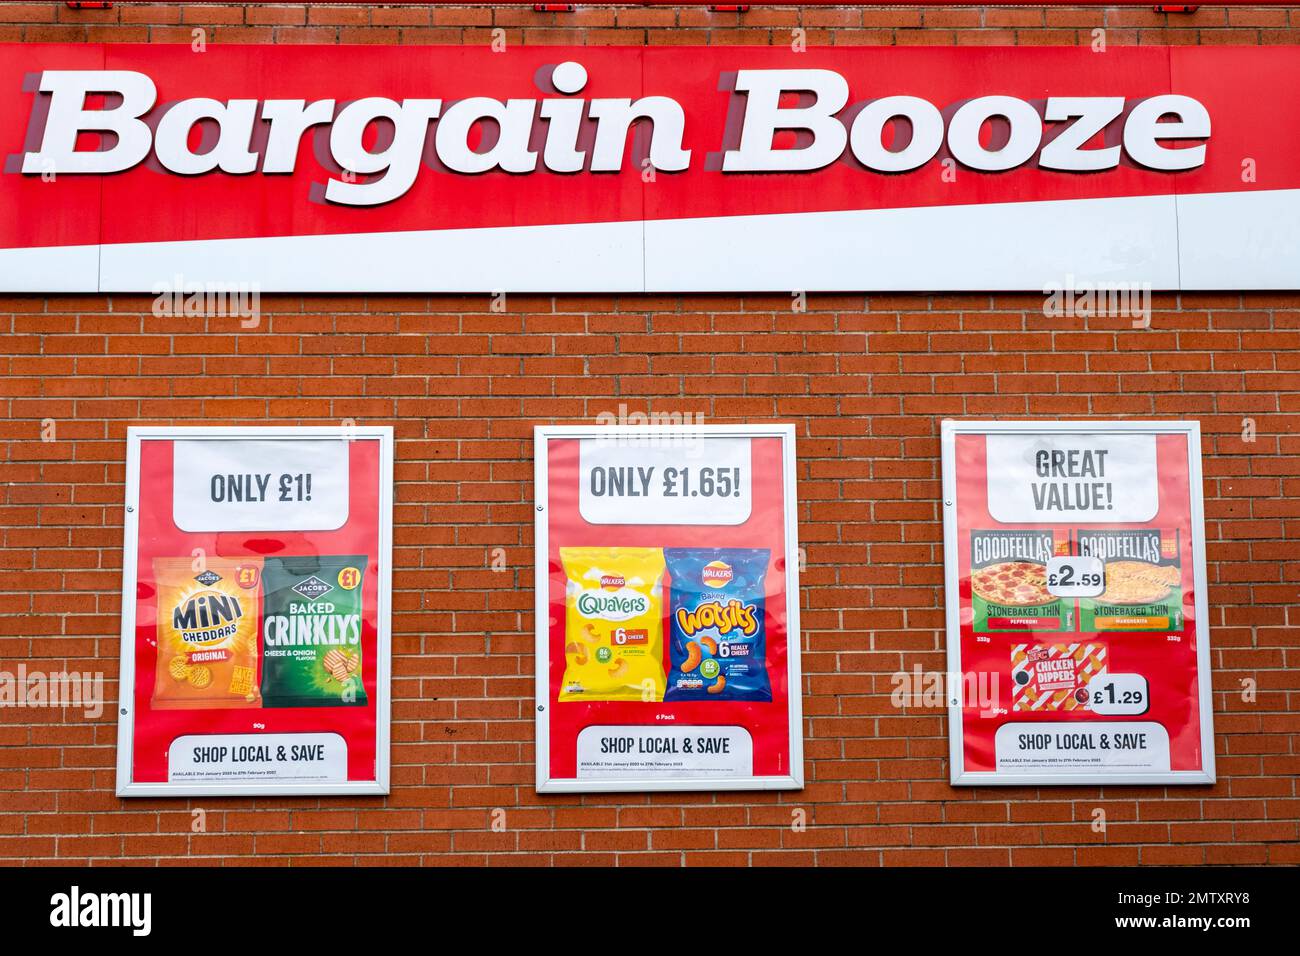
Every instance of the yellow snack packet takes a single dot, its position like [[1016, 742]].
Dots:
[[613, 624], [207, 633]]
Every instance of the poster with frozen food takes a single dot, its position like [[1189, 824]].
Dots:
[[1078, 649]]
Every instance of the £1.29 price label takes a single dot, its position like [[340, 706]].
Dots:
[[1119, 695]]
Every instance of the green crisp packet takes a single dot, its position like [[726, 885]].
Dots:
[[311, 631]]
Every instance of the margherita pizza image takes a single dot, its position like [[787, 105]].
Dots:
[[1012, 584], [1136, 582]]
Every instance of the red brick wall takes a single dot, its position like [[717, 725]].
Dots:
[[866, 379], [849, 25]]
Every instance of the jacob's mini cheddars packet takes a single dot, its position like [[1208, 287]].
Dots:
[[207, 632], [311, 631], [718, 631], [613, 624]]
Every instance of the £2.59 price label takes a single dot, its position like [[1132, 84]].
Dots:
[[1073, 576]]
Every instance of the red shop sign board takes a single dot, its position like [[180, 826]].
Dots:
[[1078, 648], [667, 615], [255, 612], [143, 167]]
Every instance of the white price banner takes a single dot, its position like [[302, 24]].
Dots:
[[1076, 478], [1058, 745], [260, 484], [658, 481], [1119, 695]]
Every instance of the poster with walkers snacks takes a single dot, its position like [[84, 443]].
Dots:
[[255, 611], [667, 609], [1075, 601]]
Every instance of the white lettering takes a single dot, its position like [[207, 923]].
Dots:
[[1066, 151], [763, 117], [289, 119], [380, 144], [1143, 129], [514, 120], [964, 133], [399, 162], [927, 134], [68, 118], [230, 154], [614, 118]]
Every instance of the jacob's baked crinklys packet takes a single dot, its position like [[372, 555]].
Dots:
[[1008, 582], [613, 624], [718, 641], [206, 632], [311, 631]]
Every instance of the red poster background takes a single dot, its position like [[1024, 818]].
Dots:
[[767, 722], [1169, 666], [154, 730]]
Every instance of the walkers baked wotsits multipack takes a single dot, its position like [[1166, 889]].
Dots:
[[718, 642]]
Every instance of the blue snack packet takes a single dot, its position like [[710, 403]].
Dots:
[[717, 628]]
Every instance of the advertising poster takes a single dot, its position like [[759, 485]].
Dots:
[[1078, 649], [255, 611], [667, 609]]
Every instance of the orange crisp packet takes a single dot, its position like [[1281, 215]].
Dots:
[[207, 633]]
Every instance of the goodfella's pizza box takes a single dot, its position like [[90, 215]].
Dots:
[[1008, 582], [1143, 581]]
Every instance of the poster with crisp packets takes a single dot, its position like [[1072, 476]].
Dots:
[[1075, 602], [667, 609], [255, 613]]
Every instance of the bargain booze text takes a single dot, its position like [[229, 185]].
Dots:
[[375, 147]]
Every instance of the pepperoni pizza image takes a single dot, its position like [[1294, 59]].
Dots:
[[1012, 584]]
